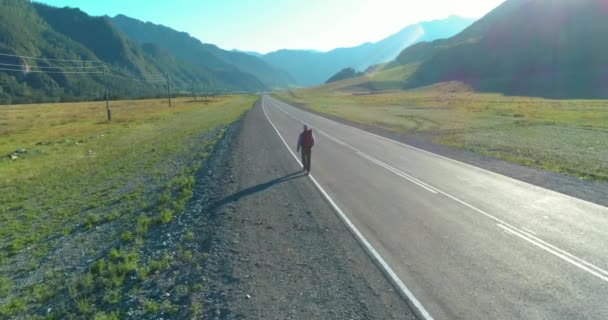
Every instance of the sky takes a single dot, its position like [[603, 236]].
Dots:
[[268, 25]]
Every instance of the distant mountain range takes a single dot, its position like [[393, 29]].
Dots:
[[310, 68], [251, 53], [191, 50], [548, 48], [134, 53]]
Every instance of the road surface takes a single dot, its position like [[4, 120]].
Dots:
[[461, 242]]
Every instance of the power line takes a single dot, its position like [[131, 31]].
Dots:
[[44, 71], [129, 75], [48, 59], [48, 67], [154, 77], [135, 79], [76, 70]]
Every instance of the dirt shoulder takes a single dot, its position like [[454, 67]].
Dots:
[[592, 191], [278, 251]]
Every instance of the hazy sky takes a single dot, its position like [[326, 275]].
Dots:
[[268, 25]]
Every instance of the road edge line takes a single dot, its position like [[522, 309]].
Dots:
[[539, 243], [449, 159], [404, 292]]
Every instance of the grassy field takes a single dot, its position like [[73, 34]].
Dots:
[[566, 136], [77, 200]]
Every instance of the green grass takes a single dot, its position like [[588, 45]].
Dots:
[[98, 188], [566, 136]]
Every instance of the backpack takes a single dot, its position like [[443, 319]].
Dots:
[[307, 143]]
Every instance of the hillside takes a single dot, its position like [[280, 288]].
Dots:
[[313, 67], [29, 31], [24, 31], [233, 63], [344, 74], [546, 48]]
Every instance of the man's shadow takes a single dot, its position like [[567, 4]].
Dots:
[[258, 188]]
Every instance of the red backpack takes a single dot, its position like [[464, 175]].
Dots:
[[307, 139]]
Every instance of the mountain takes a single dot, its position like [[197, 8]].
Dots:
[[312, 67], [23, 31], [192, 50], [546, 48], [251, 53], [57, 54], [344, 74]]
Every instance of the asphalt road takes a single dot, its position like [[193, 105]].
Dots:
[[277, 250], [465, 243]]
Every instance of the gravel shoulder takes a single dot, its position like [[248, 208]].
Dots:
[[276, 248], [592, 191]]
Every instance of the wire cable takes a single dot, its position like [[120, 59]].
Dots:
[[135, 79], [48, 67], [57, 72], [159, 77], [48, 59], [101, 64]]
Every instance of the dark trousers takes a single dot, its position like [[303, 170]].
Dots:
[[306, 154]]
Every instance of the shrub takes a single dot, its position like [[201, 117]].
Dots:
[[126, 236], [90, 221], [105, 316], [141, 226], [165, 216], [189, 236], [115, 254], [112, 297]]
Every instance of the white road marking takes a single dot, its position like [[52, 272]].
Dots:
[[416, 306], [368, 157], [458, 162], [528, 230], [529, 236], [560, 253], [399, 173]]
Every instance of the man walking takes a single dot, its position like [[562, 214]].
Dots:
[[305, 142]]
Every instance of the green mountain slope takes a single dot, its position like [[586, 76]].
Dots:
[[313, 67], [182, 45], [23, 31], [344, 74], [547, 48], [30, 30]]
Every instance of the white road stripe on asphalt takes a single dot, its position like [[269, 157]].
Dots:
[[399, 173], [368, 157], [458, 162], [528, 230], [416, 306], [554, 250], [558, 252]]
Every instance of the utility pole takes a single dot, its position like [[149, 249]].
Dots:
[[193, 93], [105, 81], [169, 89]]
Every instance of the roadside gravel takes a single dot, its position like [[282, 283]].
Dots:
[[276, 248]]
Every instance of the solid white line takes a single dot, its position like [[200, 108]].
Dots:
[[528, 230], [564, 252], [452, 160], [397, 172], [546, 248], [368, 157], [416, 306], [336, 140], [560, 253]]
